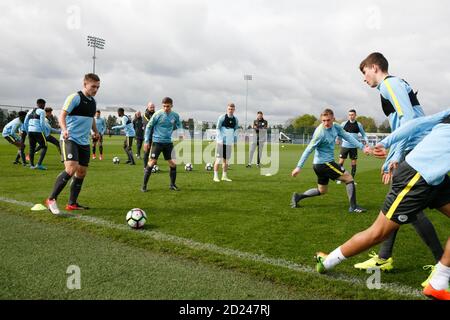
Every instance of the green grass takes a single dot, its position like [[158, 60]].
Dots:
[[251, 214]]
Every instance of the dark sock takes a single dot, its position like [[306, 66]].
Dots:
[[147, 173], [42, 156], [22, 155], [17, 156], [426, 231], [173, 175], [38, 149], [351, 193], [130, 156], [93, 149], [310, 193], [60, 183], [387, 246], [32, 156], [353, 170], [146, 156], [101, 150], [75, 189]]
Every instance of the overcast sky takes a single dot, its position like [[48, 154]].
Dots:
[[303, 55]]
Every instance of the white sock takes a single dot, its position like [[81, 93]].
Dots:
[[216, 175], [224, 174], [333, 259], [439, 280]]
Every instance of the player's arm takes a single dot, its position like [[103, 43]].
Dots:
[[219, 128], [26, 122], [317, 138], [71, 102], [63, 124], [42, 119], [348, 137], [123, 125], [363, 133], [102, 132], [148, 130], [94, 128]]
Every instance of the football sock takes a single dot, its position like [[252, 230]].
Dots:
[[17, 156], [173, 175], [146, 155], [333, 259], [60, 183], [216, 174], [22, 155], [351, 193], [426, 231], [439, 280], [42, 155], [101, 150], [310, 193], [147, 173], [387, 246], [353, 170], [75, 189], [93, 149]]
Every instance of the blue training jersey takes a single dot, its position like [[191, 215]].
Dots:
[[227, 129], [127, 126], [35, 120], [400, 104], [359, 131], [431, 156], [323, 142], [101, 125], [12, 128], [162, 125], [81, 111]]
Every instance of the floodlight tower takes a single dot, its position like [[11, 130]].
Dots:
[[96, 43], [247, 78]]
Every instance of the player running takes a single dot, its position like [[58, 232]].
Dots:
[[161, 126], [323, 142]]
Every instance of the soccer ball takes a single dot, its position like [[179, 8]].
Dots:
[[155, 169], [208, 167], [136, 218], [116, 160], [188, 167]]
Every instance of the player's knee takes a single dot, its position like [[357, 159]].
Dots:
[[445, 209]]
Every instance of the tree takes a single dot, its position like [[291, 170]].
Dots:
[[368, 123], [205, 126], [12, 115], [306, 120], [384, 127]]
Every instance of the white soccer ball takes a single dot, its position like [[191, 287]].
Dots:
[[136, 218], [155, 169], [188, 167], [116, 160], [208, 167]]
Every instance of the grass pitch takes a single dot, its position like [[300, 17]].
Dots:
[[261, 248]]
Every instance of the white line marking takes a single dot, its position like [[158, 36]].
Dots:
[[160, 236]]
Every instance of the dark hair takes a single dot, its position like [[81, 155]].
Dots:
[[121, 110], [48, 109], [352, 110], [231, 105], [327, 112], [259, 112], [40, 101], [375, 58], [91, 77], [167, 100], [98, 111], [22, 115]]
